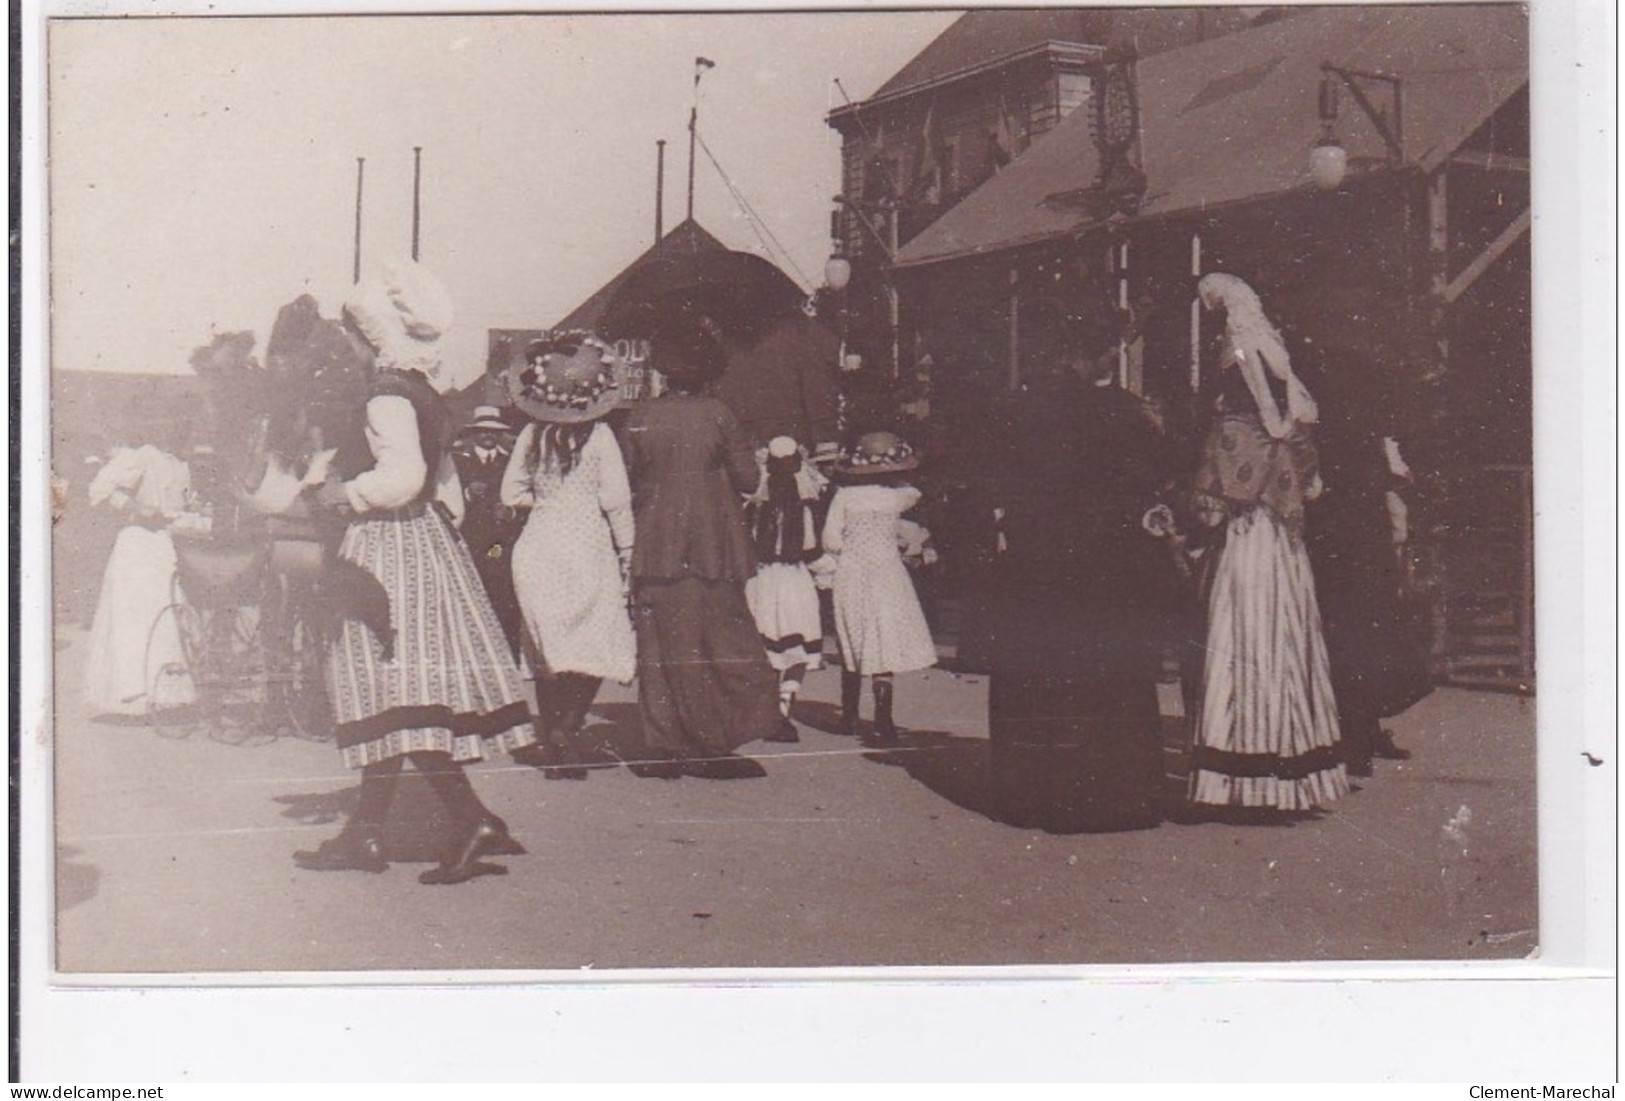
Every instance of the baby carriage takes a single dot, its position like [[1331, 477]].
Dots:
[[254, 662]]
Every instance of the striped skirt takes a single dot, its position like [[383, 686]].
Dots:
[[451, 684], [1266, 732]]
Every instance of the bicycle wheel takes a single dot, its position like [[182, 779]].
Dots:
[[297, 690], [239, 715], [175, 707]]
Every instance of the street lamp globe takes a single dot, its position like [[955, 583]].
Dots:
[[1328, 164], [837, 273]]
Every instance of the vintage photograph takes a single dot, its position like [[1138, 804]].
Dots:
[[845, 489]]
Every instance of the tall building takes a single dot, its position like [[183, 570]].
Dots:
[[976, 98]]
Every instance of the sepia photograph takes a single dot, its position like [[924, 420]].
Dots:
[[536, 494]]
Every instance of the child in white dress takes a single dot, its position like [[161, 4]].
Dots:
[[878, 619]]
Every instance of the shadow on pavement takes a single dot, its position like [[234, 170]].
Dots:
[[75, 883], [320, 807], [821, 716], [959, 770], [417, 828]]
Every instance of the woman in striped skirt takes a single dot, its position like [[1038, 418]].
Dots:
[[1266, 729], [439, 687]]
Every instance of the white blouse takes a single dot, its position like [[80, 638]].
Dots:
[[399, 470]]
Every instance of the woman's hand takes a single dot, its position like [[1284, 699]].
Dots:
[[332, 495]]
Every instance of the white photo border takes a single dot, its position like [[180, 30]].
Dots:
[[1551, 1019]]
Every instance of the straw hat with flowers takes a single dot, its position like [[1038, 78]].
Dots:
[[567, 378], [878, 453]]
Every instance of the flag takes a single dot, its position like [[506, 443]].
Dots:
[[700, 65], [1004, 136], [929, 184]]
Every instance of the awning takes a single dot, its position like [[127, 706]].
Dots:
[[1232, 119]]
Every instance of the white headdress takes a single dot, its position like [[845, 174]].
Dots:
[[1258, 346], [403, 310]]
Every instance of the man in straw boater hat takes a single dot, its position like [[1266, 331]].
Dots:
[[450, 691], [570, 563], [490, 527]]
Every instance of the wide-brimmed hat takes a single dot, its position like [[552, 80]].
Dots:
[[487, 418], [566, 378], [878, 453]]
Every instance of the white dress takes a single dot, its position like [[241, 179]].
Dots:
[[565, 569], [877, 613], [134, 662]]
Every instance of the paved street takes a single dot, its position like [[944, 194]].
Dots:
[[174, 855]]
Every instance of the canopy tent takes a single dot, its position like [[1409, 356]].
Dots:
[[782, 372]]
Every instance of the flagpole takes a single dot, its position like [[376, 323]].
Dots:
[[360, 169], [660, 189], [700, 65], [694, 112], [417, 187]]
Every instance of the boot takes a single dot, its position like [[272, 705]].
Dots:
[[464, 863], [885, 730], [851, 690], [351, 851], [359, 845], [574, 693], [571, 764]]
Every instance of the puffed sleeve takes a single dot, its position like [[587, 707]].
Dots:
[[518, 490], [448, 490], [614, 490], [399, 472], [834, 522]]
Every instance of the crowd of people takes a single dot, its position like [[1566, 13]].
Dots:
[[661, 545]]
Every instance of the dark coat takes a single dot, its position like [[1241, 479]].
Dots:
[[1080, 582], [1376, 641], [689, 463], [487, 522]]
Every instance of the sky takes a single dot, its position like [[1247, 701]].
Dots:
[[202, 170]]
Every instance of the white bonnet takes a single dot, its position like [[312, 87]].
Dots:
[[403, 310]]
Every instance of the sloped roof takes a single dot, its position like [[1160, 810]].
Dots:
[[1232, 119], [686, 238], [980, 37], [986, 37]]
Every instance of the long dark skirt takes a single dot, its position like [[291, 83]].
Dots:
[[1077, 748], [704, 682]]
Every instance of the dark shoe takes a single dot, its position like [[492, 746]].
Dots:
[[785, 733], [656, 764], [503, 843], [536, 755], [1384, 747], [851, 690], [465, 863], [446, 875], [1358, 766], [570, 763], [885, 729], [348, 852], [728, 766]]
